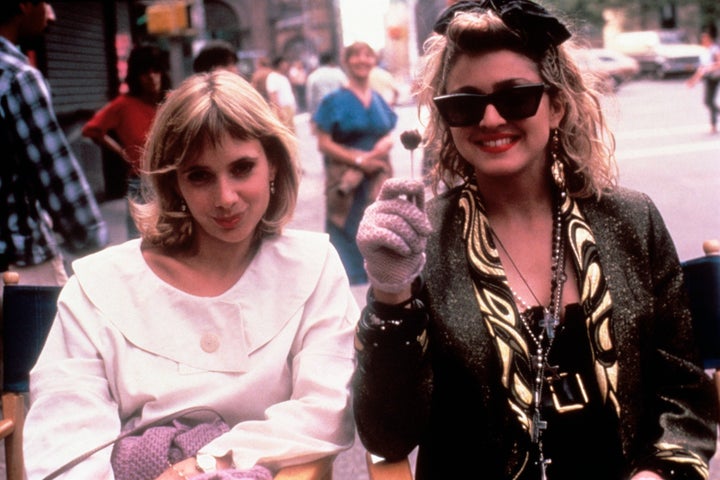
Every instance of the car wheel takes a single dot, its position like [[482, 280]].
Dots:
[[658, 73]]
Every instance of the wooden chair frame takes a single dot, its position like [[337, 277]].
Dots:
[[11, 426], [379, 469], [35, 325]]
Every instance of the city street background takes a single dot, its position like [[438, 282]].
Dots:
[[664, 149]]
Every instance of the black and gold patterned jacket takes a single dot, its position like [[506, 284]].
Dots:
[[449, 395]]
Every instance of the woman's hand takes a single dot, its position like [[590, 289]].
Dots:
[[382, 147], [114, 146], [188, 468], [372, 165], [180, 471], [392, 237], [377, 159]]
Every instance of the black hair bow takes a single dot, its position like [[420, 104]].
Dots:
[[538, 27]]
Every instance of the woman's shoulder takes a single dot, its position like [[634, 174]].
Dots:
[[135, 104], [116, 258], [108, 273], [123, 100], [439, 204], [332, 106], [620, 200], [299, 254], [120, 105], [120, 264], [295, 248], [623, 213], [338, 96]]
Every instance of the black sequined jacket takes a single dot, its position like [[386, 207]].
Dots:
[[444, 392]]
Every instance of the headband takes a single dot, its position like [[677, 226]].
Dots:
[[538, 28]]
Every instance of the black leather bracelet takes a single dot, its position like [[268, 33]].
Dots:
[[389, 308], [402, 324]]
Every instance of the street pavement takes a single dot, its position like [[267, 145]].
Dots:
[[663, 149]]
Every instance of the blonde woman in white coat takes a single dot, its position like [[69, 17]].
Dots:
[[216, 305]]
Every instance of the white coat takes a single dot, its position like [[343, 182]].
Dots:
[[273, 355]]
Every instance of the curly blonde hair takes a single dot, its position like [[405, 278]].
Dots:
[[586, 145], [194, 117]]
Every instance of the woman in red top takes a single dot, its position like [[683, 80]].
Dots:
[[122, 125]]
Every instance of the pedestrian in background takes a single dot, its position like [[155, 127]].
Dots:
[[531, 323], [43, 189], [216, 54], [385, 84], [326, 78], [259, 76], [297, 74], [353, 125], [216, 306], [122, 125], [280, 92], [709, 73]]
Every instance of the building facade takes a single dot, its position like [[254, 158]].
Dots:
[[84, 52]]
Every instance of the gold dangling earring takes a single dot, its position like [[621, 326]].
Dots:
[[557, 169], [272, 187]]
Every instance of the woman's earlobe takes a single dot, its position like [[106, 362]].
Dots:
[[557, 109]]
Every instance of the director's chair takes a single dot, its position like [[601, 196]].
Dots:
[[702, 280], [27, 313]]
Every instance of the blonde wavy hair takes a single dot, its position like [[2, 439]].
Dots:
[[193, 118], [586, 145]]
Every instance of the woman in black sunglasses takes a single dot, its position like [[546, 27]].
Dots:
[[531, 322]]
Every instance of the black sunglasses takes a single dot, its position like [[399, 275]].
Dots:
[[513, 103]]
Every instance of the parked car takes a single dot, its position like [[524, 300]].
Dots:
[[610, 67], [659, 52]]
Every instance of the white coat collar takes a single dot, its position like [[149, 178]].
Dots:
[[216, 333]]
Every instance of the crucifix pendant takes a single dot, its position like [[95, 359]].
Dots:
[[551, 372], [538, 425], [548, 323]]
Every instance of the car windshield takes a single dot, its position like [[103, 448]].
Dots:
[[672, 38]]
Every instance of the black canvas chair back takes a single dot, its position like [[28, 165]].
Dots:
[[28, 312], [702, 280]]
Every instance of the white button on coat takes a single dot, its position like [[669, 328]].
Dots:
[[209, 342]]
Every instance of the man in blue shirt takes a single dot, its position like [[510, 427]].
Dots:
[[43, 190]]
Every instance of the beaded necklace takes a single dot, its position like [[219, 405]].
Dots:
[[549, 322]]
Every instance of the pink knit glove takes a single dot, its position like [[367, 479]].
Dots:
[[393, 234]]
